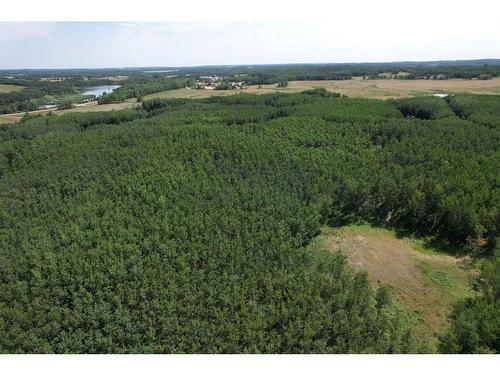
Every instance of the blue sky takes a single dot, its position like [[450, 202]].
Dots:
[[124, 44]]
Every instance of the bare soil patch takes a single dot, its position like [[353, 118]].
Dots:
[[427, 284]]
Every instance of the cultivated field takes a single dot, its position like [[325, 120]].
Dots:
[[357, 87], [425, 281], [396, 88], [197, 94], [10, 88]]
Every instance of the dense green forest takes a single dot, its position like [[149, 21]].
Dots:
[[481, 109], [184, 226]]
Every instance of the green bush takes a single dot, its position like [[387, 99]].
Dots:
[[424, 107]]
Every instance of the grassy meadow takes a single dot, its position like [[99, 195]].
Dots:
[[9, 88], [425, 280]]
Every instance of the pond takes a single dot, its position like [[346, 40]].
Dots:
[[99, 90], [47, 106]]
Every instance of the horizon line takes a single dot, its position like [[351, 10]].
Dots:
[[478, 60]]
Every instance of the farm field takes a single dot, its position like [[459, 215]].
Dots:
[[189, 93], [94, 107], [426, 281], [10, 88], [356, 87]]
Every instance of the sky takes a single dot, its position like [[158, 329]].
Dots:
[[351, 38]]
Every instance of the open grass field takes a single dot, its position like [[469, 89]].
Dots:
[[375, 89], [10, 88], [424, 280], [94, 107], [394, 88], [197, 94]]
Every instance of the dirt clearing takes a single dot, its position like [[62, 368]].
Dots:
[[425, 282]]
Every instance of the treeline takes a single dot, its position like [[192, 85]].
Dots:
[[18, 101], [475, 321], [133, 89], [187, 225], [268, 74]]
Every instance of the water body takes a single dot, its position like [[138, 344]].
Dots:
[[48, 106], [99, 90]]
